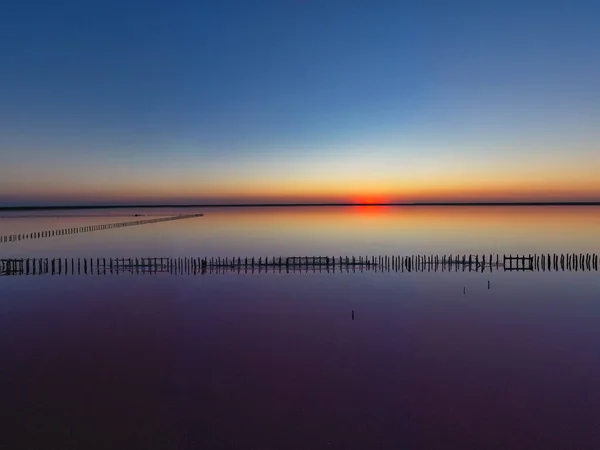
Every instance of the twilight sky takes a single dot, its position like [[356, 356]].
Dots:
[[299, 100]]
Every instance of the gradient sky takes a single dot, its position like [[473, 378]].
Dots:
[[299, 100]]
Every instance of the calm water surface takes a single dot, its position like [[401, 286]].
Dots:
[[276, 361]]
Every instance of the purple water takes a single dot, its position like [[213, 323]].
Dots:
[[270, 361]]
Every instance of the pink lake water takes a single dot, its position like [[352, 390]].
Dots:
[[270, 361]]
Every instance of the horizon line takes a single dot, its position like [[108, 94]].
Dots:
[[289, 205]]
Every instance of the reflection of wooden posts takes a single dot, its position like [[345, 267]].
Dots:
[[571, 261], [588, 259], [380, 263], [543, 262]]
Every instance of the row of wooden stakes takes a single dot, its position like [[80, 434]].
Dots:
[[90, 228], [413, 263]]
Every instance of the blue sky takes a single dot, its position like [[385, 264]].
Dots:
[[157, 100]]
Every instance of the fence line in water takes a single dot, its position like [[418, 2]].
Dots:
[[89, 228], [383, 263]]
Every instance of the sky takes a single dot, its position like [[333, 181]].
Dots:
[[299, 101]]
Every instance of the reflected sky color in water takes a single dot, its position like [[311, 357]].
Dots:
[[276, 361], [320, 231]]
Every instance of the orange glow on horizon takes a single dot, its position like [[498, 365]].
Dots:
[[582, 188], [370, 200], [357, 178]]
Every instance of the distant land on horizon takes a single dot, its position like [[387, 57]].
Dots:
[[288, 205]]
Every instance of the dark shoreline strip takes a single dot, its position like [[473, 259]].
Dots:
[[291, 205]]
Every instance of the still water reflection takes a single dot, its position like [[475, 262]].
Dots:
[[277, 361]]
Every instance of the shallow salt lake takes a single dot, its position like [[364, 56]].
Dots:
[[276, 360]]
